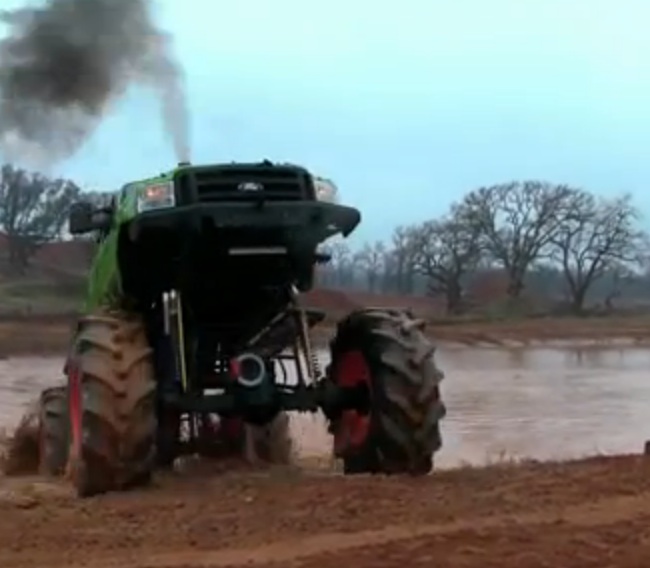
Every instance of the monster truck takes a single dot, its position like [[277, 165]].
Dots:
[[193, 310]]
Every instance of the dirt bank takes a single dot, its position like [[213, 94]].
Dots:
[[630, 330], [44, 335], [37, 336], [594, 512]]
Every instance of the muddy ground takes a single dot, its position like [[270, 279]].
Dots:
[[586, 513], [592, 513]]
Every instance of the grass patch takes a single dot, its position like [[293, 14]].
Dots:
[[37, 296]]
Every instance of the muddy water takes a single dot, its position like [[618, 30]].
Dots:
[[539, 403]]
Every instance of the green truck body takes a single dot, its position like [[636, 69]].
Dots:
[[105, 282], [202, 270]]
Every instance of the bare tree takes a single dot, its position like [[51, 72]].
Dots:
[[33, 210], [338, 271], [620, 275], [388, 280], [342, 263], [402, 259], [597, 237], [445, 251], [371, 259], [516, 221]]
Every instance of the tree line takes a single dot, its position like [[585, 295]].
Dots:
[[565, 237], [34, 210], [558, 233]]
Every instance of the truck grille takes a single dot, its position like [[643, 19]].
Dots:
[[237, 183]]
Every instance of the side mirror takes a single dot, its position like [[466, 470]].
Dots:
[[84, 218]]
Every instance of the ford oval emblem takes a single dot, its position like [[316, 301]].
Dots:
[[250, 186]]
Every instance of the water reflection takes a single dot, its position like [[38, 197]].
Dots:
[[544, 403], [529, 402]]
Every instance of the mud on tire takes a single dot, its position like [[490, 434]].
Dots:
[[387, 352], [112, 405], [54, 432]]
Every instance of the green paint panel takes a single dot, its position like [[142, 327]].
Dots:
[[104, 281]]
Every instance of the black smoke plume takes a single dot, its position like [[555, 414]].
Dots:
[[63, 64]]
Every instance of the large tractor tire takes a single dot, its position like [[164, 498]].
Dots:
[[386, 353], [54, 431], [112, 393]]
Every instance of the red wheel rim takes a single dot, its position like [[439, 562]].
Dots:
[[352, 428], [74, 388]]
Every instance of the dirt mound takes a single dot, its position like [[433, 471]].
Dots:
[[19, 450], [422, 306], [329, 301], [582, 514], [338, 302], [603, 331]]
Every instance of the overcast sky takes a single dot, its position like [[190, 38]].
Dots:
[[405, 104]]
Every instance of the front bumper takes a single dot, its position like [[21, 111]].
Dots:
[[318, 219]]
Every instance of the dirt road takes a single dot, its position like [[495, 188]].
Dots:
[[580, 514]]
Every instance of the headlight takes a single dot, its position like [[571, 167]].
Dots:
[[326, 190], [156, 196]]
